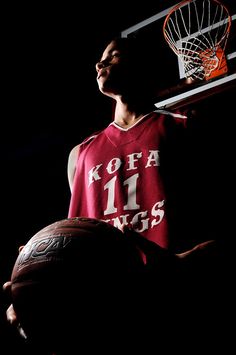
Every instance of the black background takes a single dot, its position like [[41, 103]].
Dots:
[[50, 102]]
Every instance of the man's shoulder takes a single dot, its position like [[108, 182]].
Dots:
[[177, 114], [173, 116], [91, 137]]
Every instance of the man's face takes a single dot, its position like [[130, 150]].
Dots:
[[112, 70]]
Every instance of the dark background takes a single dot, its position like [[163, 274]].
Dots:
[[50, 103]]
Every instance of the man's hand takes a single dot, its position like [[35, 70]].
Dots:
[[10, 312]]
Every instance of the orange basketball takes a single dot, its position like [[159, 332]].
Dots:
[[79, 264]]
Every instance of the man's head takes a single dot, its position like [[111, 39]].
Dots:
[[126, 69]]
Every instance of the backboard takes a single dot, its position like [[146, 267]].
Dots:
[[175, 90]]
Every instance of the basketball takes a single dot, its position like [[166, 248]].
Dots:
[[82, 264]]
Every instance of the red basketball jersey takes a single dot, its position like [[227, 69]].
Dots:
[[118, 176]]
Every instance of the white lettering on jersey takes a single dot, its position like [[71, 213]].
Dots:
[[132, 160], [153, 158], [119, 221], [131, 182], [139, 218], [113, 165], [142, 220], [110, 186], [157, 212], [93, 174], [132, 188]]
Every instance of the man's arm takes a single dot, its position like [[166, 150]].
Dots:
[[71, 166]]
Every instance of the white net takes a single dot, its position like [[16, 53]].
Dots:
[[197, 32]]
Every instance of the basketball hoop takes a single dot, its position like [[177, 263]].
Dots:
[[197, 31]]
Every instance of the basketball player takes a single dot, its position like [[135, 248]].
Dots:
[[145, 172], [142, 174], [132, 173]]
